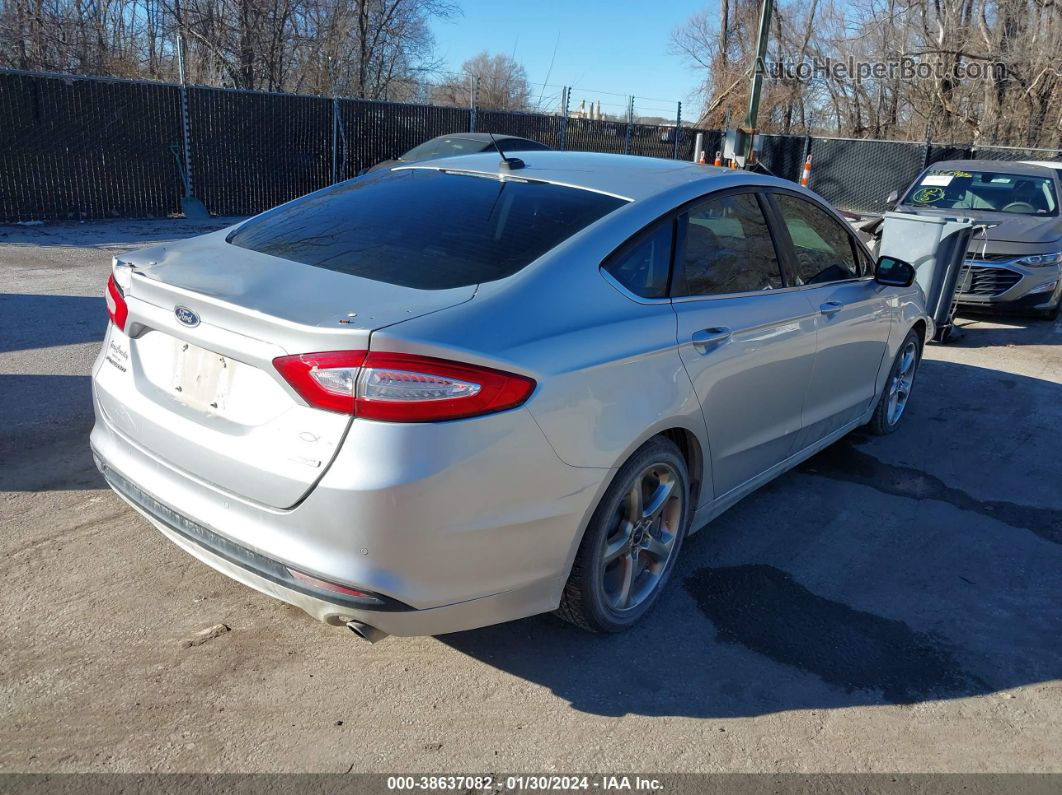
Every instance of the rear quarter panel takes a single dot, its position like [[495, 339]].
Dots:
[[608, 370]]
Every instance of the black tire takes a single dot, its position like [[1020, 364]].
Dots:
[[882, 422], [586, 601], [1051, 314]]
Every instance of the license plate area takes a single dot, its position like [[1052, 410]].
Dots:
[[202, 379]]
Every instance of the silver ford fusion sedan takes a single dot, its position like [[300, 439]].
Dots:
[[466, 391]]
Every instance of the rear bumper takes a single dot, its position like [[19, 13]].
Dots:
[[400, 620], [453, 527]]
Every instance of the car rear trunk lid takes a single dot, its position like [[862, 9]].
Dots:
[[192, 380]]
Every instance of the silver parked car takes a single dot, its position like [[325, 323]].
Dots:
[[466, 391], [1016, 263]]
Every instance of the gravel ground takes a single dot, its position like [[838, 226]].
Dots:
[[895, 604]]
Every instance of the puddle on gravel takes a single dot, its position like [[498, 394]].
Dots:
[[844, 462], [765, 610]]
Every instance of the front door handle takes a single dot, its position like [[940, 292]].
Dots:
[[831, 308], [708, 338]]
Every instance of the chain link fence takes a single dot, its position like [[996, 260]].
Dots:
[[80, 147]]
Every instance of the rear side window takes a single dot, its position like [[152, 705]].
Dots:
[[424, 228], [728, 248], [642, 264], [823, 247]]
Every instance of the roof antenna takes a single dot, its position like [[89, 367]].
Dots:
[[510, 163]]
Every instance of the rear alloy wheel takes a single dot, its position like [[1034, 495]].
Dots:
[[632, 542], [893, 401]]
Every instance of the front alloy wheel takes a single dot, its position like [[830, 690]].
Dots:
[[632, 542], [897, 393]]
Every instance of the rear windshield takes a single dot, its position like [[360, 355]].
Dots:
[[445, 147], [1000, 191], [424, 228]]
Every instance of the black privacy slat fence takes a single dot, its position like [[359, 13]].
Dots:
[[370, 132], [81, 147], [73, 148], [251, 152], [841, 167]]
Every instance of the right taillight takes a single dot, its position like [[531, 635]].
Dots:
[[117, 308], [401, 387]]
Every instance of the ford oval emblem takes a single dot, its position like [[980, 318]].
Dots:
[[186, 316]]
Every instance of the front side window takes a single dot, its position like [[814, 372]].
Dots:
[[822, 246], [424, 228], [728, 248], [642, 264]]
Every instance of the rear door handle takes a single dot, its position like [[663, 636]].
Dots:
[[831, 308], [709, 338]]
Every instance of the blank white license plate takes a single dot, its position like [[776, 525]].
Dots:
[[201, 378]]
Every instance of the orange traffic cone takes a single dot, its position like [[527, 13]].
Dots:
[[700, 160], [805, 176], [718, 158]]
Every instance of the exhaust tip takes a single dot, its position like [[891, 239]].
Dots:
[[365, 632]]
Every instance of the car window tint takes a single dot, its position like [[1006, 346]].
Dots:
[[728, 248], [461, 146], [444, 147], [823, 248], [425, 228], [423, 151], [521, 145], [642, 265]]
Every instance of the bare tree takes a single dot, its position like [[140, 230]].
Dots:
[[989, 70], [364, 48], [502, 84]]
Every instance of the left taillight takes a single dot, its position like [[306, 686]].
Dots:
[[401, 387], [117, 308]]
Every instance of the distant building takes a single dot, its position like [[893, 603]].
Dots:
[[584, 112]]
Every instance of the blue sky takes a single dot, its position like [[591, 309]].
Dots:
[[619, 46]]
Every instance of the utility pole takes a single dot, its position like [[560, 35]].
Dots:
[[190, 205], [757, 72], [562, 136], [678, 131]]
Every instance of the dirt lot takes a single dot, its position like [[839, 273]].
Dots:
[[893, 605]]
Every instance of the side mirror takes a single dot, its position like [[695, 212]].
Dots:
[[894, 272], [893, 197]]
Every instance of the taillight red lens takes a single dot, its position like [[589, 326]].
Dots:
[[324, 380], [401, 387], [117, 308]]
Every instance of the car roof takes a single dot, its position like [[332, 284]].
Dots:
[[625, 176], [1055, 164], [484, 137], [1009, 166]]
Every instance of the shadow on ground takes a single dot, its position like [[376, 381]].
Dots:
[[1006, 329], [920, 566], [30, 321], [44, 442]]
